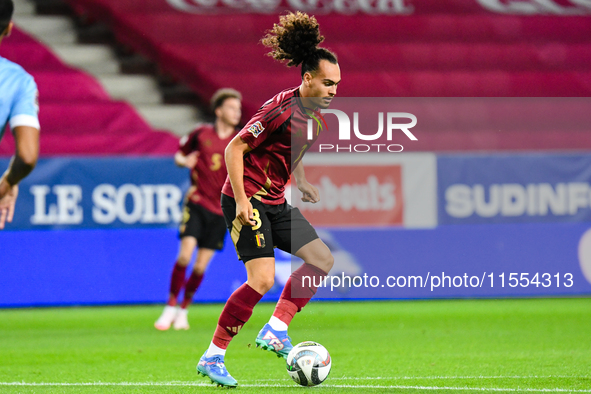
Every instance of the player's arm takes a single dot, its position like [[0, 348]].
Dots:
[[188, 152], [22, 163], [188, 161], [309, 191], [26, 155], [234, 156]]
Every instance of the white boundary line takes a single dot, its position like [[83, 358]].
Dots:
[[276, 385], [445, 377], [138, 384], [460, 388]]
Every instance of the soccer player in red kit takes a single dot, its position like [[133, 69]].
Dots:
[[203, 224], [260, 163]]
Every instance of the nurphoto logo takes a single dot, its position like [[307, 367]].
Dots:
[[395, 121]]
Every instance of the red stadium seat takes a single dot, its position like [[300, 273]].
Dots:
[[77, 115]]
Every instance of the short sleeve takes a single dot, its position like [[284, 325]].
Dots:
[[267, 119], [25, 108], [189, 143]]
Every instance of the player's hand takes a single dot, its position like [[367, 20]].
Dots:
[[310, 192], [191, 160], [7, 202], [244, 213]]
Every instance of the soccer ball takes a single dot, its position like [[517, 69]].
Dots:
[[308, 363]]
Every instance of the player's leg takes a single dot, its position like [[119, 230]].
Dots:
[[303, 282], [238, 308], [299, 289], [236, 312], [211, 239], [254, 246], [177, 281], [204, 256], [295, 234]]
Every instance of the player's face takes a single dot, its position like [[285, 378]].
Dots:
[[323, 85], [230, 111]]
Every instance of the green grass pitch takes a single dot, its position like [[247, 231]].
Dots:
[[529, 345]]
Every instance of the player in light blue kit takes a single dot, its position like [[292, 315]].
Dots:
[[18, 108]]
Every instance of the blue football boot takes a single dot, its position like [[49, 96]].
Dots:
[[215, 369], [277, 342]]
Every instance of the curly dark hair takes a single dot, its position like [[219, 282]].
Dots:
[[295, 39], [6, 10]]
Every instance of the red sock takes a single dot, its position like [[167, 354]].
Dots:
[[177, 280], [236, 313], [190, 288], [297, 291]]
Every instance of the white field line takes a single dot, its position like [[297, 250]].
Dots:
[[554, 390], [442, 377], [139, 384], [262, 385]]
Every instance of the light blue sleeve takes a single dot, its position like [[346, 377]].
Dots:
[[25, 107]]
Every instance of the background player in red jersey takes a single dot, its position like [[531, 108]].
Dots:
[[259, 163], [203, 224]]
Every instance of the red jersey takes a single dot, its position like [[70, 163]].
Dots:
[[274, 132], [208, 175]]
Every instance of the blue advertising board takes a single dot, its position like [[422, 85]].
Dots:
[[130, 266], [525, 188], [114, 192], [103, 231], [497, 260]]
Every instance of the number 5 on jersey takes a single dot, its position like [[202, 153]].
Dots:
[[216, 162]]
